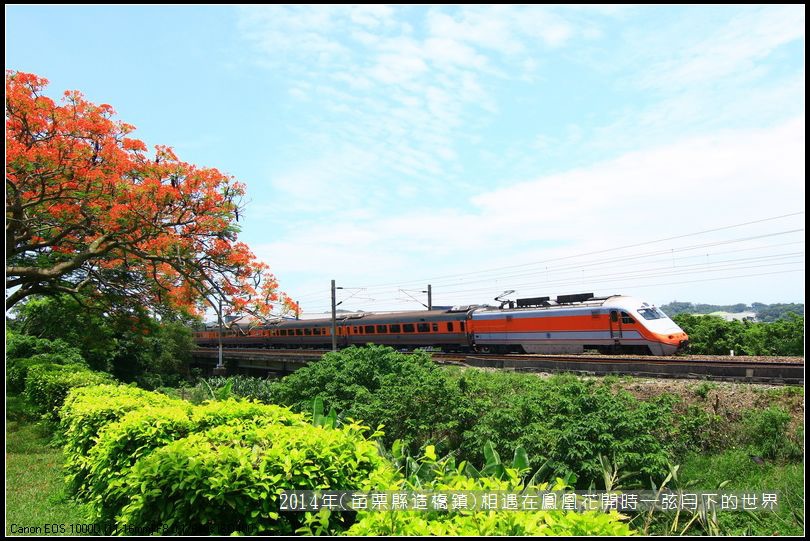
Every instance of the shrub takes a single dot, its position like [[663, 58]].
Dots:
[[85, 411], [444, 476], [17, 370], [699, 430], [228, 478], [23, 352], [242, 387], [767, 431], [138, 433], [47, 385], [567, 421], [21, 346], [408, 393]]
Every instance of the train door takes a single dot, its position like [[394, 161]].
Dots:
[[615, 325]]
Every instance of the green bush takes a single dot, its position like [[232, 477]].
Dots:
[[711, 335], [568, 422], [85, 411], [46, 386], [23, 352], [22, 346], [130, 344], [767, 431], [408, 393], [241, 387], [228, 478], [562, 419], [444, 476], [737, 472], [138, 433], [17, 369]]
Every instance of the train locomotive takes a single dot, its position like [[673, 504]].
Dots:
[[616, 324]]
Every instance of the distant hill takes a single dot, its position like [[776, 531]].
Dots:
[[764, 312]]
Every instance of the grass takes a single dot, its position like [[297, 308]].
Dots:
[[706, 473], [36, 503]]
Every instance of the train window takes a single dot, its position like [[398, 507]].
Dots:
[[462, 326], [422, 327], [355, 331], [435, 327], [393, 328], [308, 332], [381, 329], [595, 314], [614, 315], [627, 319], [651, 313], [407, 327], [449, 326], [369, 329], [298, 332], [316, 331]]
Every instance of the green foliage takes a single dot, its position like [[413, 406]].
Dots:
[[62, 317], [21, 346], [408, 393], [229, 477], [443, 475], [709, 335], [562, 421], [85, 411], [699, 430], [737, 472], [47, 385], [243, 387], [767, 431], [17, 369], [704, 388], [567, 422], [319, 419], [121, 444], [24, 351], [132, 346]]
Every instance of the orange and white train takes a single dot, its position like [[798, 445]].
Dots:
[[567, 324]]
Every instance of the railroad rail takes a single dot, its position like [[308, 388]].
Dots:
[[778, 370]]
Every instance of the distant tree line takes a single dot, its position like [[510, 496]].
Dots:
[[764, 312]]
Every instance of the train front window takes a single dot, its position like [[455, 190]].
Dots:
[[651, 313]]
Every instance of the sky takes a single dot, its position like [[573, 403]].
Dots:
[[650, 151]]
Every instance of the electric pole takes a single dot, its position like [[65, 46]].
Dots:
[[220, 369], [430, 297], [334, 324]]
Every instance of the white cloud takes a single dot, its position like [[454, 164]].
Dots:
[[699, 183], [747, 38]]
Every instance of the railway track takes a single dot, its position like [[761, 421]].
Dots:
[[773, 370]]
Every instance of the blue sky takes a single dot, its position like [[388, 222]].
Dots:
[[548, 150]]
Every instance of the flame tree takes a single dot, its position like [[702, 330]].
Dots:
[[90, 213]]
